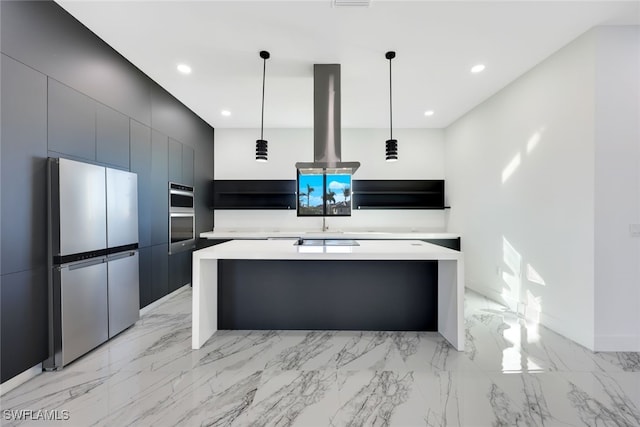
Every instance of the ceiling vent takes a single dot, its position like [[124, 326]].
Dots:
[[351, 3]]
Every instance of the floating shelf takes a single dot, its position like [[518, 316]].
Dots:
[[398, 194], [366, 194], [399, 208], [254, 194]]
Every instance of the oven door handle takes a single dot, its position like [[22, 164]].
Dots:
[[182, 192], [181, 214]]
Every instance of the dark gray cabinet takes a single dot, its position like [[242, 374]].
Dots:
[[112, 137], [23, 320], [47, 38], [187, 165], [453, 243], [179, 270], [175, 161], [71, 122], [24, 165], [159, 271], [159, 188], [141, 164], [205, 243], [146, 282]]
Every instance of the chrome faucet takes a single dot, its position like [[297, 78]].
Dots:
[[324, 223]]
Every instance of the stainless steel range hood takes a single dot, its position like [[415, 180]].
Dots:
[[327, 155]]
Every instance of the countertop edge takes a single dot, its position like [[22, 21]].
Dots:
[[365, 235]]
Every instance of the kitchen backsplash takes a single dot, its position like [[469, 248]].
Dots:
[[406, 220]]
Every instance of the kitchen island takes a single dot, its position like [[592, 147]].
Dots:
[[269, 259]]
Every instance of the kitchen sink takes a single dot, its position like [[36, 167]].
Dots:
[[326, 242], [366, 232]]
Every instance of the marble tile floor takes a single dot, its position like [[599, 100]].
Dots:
[[512, 374]]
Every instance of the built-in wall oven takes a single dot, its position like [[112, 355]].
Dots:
[[182, 218]]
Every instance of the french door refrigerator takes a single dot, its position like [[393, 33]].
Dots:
[[93, 257]]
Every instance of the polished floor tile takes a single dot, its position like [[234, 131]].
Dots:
[[513, 373]]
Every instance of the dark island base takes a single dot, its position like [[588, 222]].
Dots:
[[328, 295]]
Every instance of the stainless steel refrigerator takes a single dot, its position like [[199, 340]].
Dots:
[[93, 257]]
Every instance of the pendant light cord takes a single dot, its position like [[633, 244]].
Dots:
[[390, 103], [264, 71]]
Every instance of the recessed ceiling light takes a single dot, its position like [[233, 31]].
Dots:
[[225, 113], [477, 68], [184, 68], [428, 113]]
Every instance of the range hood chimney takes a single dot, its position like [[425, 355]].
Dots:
[[327, 155]]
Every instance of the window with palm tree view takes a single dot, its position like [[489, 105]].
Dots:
[[324, 194]]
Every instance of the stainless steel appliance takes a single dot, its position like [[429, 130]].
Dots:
[[182, 218], [93, 241], [327, 132]]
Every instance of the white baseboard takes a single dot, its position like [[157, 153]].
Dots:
[[617, 343], [20, 379], [144, 310]]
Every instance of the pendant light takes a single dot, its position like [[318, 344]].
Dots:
[[392, 144], [261, 144]]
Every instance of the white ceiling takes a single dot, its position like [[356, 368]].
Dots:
[[436, 44]]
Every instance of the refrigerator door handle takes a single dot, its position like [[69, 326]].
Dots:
[[83, 264], [121, 255]]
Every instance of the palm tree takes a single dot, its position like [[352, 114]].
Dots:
[[309, 191], [346, 192], [330, 197]]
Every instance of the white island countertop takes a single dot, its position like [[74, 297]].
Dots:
[[367, 249], [450, 275], [329, 234]]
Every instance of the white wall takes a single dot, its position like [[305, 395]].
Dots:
[[520, 176], [421, 156], [552, 164], [617, 188]]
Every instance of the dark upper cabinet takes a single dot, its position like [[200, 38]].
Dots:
[[46, 37], [397, 194], [170, 117], [141, 164], [23, 153], [254, 194], [71, 122], [187, 164], [159, 188], [175, 161], [112, 137]]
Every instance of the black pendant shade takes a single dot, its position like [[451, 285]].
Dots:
[[391, 144], [261, 144], [392, 150], [261, 150]]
